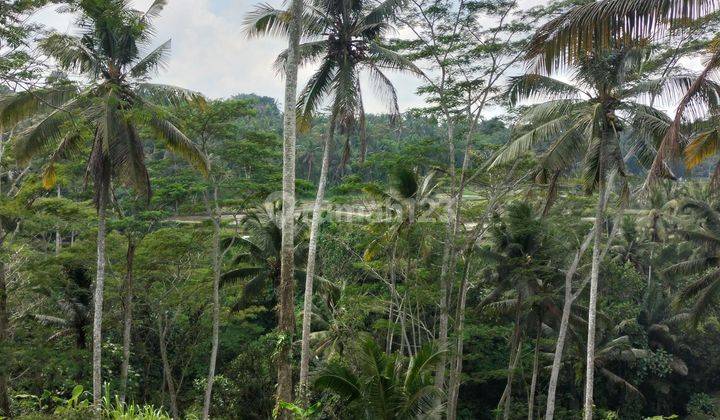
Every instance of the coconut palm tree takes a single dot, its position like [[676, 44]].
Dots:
[[294, 24], [519, 254], [106, 113], [704, 290], [346, 38], [409, 199], [75, 305], [377, 385], [658, 321], [585, 118], [258, 261], [567, 38]]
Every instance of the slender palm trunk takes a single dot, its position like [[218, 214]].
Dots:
[[286, 291], [216, 260], [310, 269], [98, 298], [127, 317], [4, 343], [363, 132], [167, 371], [535, 368], [592, 312], [594, 278]]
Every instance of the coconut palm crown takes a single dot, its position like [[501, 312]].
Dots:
[[608, 102], [345, 37], [114, 103]]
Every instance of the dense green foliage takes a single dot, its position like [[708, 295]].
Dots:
[[527, 191]]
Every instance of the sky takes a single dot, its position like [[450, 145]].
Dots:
[[211, 54]]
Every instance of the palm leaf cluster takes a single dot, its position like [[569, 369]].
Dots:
[[377, 385], [257, 261], [607, 111], [74, 304], [410, 198], [704, 289], [345, 38], [568, 38], [608, 24]]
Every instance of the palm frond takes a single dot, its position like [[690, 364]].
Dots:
[[384, 57], [237, 274], [384, 90], [543, 133], [19, 106], [701, 147], [690, 266], [537, 86], [265, 20], [315, 91], [599, 25], [339, 379], [179, 144], [547, 111], [619, 381], [308, 52], [168, 95], [40, 135], [152, 62], [154, 10], [67, 148], [71, 53]]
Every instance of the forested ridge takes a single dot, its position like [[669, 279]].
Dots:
[[541, 239]]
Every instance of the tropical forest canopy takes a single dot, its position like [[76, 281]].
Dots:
[[540, 239]]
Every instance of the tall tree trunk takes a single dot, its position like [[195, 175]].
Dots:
[[286, 291], [127, 317], [515, 352], [363, 131], [536, 363], [216, 261], [98, 297], [4, 343], [562, 333], [594, 278], [456, 363], [570, 298], [162, 332], [447, 269], [310, 269]]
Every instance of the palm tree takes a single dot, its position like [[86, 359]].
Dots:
[[704, 290], [113, 105], [74, 302], [258, 261], [520, 251], [377, 385], [567, 38], [408, 200], [346, 37], [586, 118], [657, 320]]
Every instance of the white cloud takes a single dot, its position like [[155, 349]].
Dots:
[[211, 54]]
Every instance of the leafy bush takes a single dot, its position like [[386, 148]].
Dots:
[[702, 404]]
